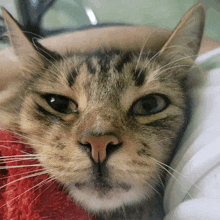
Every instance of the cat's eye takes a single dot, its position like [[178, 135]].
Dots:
[[150, 104], [61, 103]]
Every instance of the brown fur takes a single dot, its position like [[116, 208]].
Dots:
[[104, 86]]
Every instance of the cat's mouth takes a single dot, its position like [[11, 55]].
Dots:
[[102, 185], [99, 194]]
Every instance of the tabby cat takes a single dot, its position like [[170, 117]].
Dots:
[[105, 123]]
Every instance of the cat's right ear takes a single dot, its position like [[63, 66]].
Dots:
[[26, 51], [186, 37]]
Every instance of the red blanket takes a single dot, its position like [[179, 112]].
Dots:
[[30, 198]]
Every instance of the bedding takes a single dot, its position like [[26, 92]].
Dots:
[[193, 191]]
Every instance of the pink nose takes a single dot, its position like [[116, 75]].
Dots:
[[99, 145]]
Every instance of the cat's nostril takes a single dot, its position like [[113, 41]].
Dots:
[[86, 146], [100, 146], [111, 147]]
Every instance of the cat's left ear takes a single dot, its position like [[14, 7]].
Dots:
[[31, 55], [186, 37]]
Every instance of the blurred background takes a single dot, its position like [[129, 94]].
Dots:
[[160, 13]]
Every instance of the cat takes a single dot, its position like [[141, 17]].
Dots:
[[105, 123]]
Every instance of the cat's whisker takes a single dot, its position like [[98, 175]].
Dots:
[[160, 180], [3, 146], [148, 61], [9, 161], [144, 181], [49, 180], [169, 167], [16, 160], [16, 134], [142, 48], [28, 137], [173, 67], [24, 173], [25, 192], [162, 165], [181, 47], [18, 166], [155, 190], [23, 178], [181, 185], [38, 139], [16, 142], [38, 48], [175, 61], [155, 55], [19, 156], [33, 154], [30, 154]]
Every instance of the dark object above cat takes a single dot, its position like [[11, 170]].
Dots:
[[31, 14]]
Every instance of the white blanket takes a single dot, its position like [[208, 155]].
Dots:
[[193, 192]]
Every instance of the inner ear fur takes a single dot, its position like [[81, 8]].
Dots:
[[186, 37], [32, 55]]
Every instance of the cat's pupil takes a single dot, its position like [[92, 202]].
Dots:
[[150, 104], [58, 103]]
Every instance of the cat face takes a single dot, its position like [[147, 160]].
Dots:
[[101, 95], [104, 123]]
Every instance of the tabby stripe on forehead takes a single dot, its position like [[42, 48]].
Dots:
[[139, 77], [105, 63], [101, 60], [140, 73], [125, 58], [71, 77], [108, 60]]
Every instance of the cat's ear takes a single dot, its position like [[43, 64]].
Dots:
[[186, 37], [31, 54]]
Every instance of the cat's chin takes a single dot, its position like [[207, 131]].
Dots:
[[107, 198]]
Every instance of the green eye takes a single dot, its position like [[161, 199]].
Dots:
[[60, 103], [150, 104]]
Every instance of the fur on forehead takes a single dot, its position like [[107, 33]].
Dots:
[[115, 64]]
